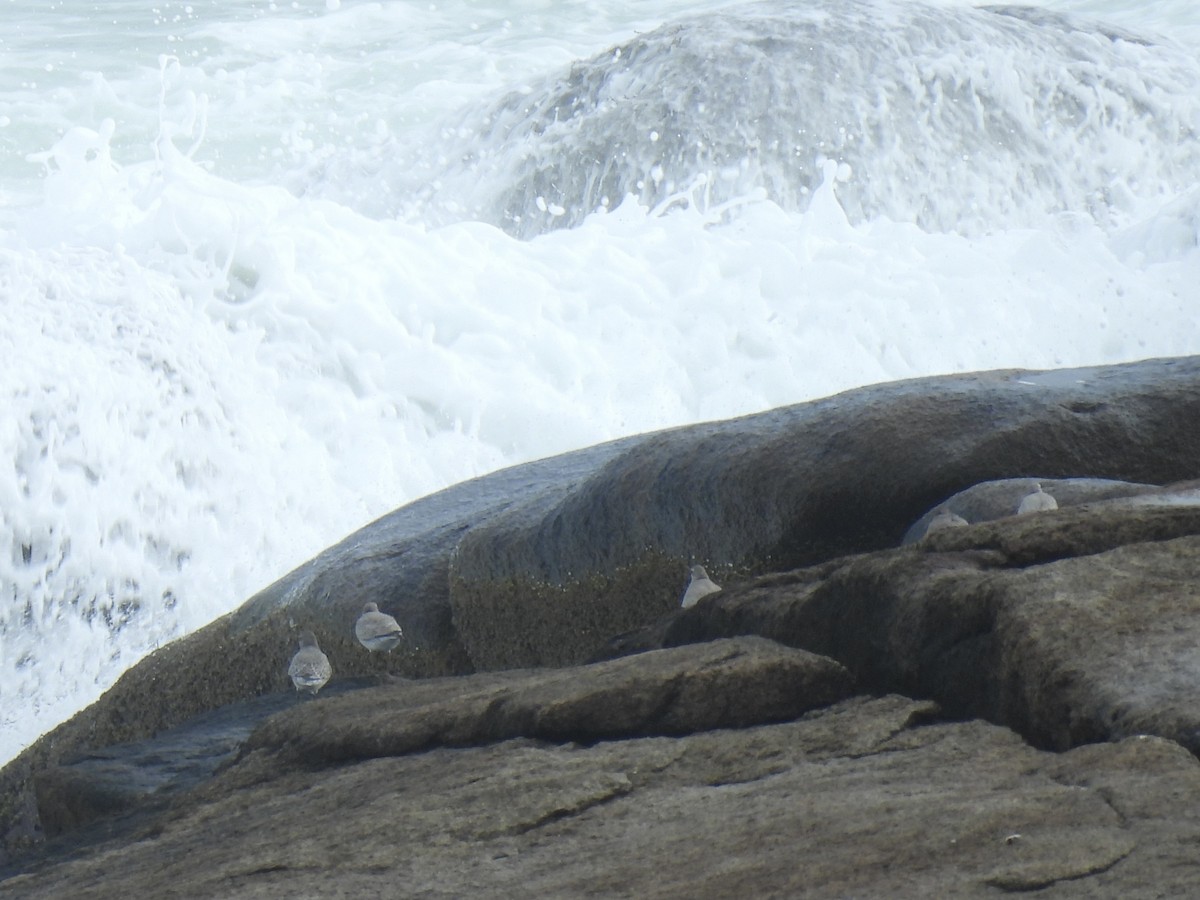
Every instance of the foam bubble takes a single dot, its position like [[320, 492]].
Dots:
[[209, 378], [960, 119]]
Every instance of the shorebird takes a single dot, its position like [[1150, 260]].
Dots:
[[376, 630], [310, 667], [700, 585], [942, 519], [1036, 501]]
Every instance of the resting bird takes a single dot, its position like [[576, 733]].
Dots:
[[699, 586], [310, 667], [943, 518], [376, 630], [1036, 501]]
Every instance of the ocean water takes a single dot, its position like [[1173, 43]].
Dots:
[[271, 269]]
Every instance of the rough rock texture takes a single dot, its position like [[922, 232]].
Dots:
[[1075, 625], [104, 783], [722, 684], [1067, 627], [858, 799], [594, 543], [400, 561], [796, 486]]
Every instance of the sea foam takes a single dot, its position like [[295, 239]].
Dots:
[[220, 358], [960, 120]]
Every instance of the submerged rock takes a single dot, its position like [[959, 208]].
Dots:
[[994, 103]]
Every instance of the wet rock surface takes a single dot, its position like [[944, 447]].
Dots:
[[1025, 715], [802, 485], [110, 781]]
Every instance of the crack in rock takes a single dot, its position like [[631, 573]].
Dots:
[[620, 787]]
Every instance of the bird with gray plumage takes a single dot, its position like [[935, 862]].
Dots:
[[942, 519], [376, 630], [1036, 501], [310, 668], [700, 585]]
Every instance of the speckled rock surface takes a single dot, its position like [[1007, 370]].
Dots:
[[1068, 626], [859, 799]]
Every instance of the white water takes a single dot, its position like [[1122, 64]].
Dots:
[[252, 296]]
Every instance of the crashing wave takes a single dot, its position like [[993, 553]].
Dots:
[[955, 119]]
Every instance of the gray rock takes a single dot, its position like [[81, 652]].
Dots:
[[715, 685], [1069, 627], [656, 769], [402, 558], [543, 564], [1002, 497], [753, 76], [859, 799], [102, 783], [107, 785], [798, 486], [721, 684]]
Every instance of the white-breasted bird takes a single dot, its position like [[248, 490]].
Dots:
[[310, 668], [1036, 501], [700, 585], [376, 630]]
